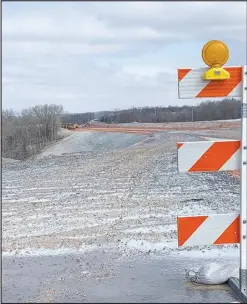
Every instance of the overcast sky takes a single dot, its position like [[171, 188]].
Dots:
[[92, 56]]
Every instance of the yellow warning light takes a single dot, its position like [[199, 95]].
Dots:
[[215, 54]]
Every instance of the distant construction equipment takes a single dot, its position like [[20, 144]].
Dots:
[[69, 126]]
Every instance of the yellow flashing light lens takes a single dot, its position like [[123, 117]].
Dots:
[[215, 53]]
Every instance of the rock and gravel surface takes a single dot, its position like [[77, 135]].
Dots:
[[93, 219], [104, 190]]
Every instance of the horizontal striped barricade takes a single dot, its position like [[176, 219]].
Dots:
[[203, 156], [192, 85], [208, 230]]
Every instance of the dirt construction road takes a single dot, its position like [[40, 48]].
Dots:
[[97, 209]]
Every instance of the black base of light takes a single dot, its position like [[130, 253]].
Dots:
[[234, 284]]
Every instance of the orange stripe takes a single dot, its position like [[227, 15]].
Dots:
[[182, 73], [216, 156], [222, 88], [179, 145], [231, 235], [187, 226]]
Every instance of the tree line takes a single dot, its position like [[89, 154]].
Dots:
[[26, 133], [208, 110]]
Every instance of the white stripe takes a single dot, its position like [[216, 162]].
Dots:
[[192, 84], [237, 91], [190, 152], [211, 229], [233, 163]]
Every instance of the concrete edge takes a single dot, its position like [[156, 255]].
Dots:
[[234, 284]]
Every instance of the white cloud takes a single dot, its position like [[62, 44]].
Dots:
[[96, 56]]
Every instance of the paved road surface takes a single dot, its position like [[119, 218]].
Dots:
[[234, 133], [96, 277]]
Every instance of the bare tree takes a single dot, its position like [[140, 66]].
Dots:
[[25, 134]]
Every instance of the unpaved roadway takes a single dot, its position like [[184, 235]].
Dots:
[[94, 219]]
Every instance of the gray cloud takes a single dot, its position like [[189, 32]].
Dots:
[[66, 53]]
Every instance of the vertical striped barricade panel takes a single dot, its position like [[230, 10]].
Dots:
[[192, 85], [206, 156], [208, 230]]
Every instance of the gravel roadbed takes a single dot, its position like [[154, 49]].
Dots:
[[91, 190]]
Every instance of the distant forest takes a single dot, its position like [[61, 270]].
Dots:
[[26, 133], [208, 110]]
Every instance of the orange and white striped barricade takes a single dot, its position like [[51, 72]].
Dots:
[[213, 229], [205, 156], [192, 85], [210, 156]]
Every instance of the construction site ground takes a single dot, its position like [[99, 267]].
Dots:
[[93, 218], [149, 128]]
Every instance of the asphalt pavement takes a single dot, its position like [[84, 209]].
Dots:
[[105, 277], [234, 133]]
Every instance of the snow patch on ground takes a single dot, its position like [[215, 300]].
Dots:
[[106, 193], [47, 252]]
